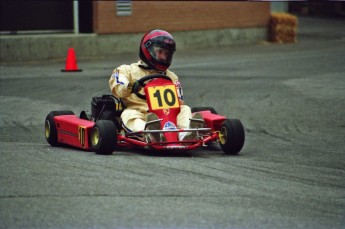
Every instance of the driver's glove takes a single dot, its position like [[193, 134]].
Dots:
[[133, 87]]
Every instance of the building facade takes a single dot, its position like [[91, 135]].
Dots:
[[41, 30], [140, 16], [125, 16]]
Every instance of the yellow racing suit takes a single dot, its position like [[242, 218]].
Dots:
[[134, 116]]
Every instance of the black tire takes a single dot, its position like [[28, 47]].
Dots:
[[50, 127], [103, 137], [231, 136], [197, 109], [109, 115]]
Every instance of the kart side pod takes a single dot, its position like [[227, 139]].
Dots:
[[64, 127]]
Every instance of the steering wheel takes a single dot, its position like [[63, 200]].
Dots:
[[143, 81]]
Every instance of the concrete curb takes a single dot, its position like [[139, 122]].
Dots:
[[17, 48]]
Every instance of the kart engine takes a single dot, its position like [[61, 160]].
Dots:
[[106, 107]]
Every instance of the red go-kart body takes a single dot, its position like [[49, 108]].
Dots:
[[104, 135]]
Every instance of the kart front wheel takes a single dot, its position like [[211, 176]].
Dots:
[[103, 137], [50, 127], [231, 136]]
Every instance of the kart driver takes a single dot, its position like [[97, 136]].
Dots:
[[156, 51]]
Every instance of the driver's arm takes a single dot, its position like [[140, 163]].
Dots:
[[178, 85], [119, 82]]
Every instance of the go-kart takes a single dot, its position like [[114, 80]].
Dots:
[[103, 133]]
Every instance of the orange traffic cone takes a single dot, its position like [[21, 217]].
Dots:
[[71, 62]]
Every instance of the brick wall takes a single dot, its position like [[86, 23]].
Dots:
[[179, 16]]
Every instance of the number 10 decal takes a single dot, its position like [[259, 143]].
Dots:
[[81, 135], [163, 97]]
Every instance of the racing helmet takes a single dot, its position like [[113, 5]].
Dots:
[[157, 48]]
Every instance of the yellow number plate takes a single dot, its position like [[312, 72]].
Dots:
[[163, 97]]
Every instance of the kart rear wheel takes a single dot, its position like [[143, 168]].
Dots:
[[231, 136], [103, 137], [197, 109], [108, 115], [50, 127]]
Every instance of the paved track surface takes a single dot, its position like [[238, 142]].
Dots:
[[290, 173]]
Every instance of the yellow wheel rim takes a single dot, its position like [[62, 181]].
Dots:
[[95, 137], [222, 135], [47, 129]]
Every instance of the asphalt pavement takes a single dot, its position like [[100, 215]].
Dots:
[[290, 173]]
